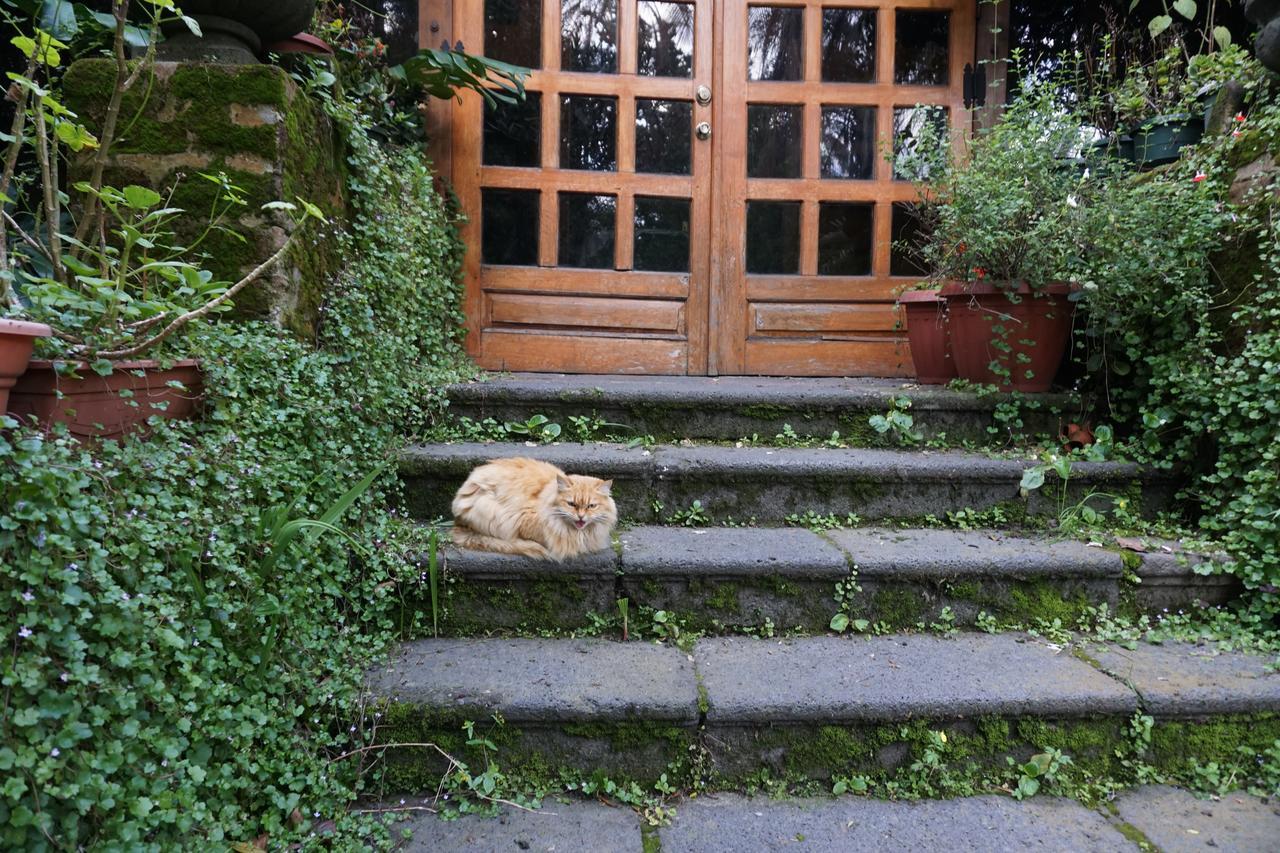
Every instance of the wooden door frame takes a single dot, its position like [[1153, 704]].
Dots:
[[716, 301], [731, 287]]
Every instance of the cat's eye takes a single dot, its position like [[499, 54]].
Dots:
[[573, 505], [592, 506]]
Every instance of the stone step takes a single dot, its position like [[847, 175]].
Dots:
[[732, 407], [813, 708], [769, 484], [718, 580], [1166, 818]]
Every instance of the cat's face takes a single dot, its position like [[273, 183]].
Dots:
[[583, 501]]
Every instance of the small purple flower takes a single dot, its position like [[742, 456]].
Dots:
[[124, 596], [55, 752], [24, 632], [28, 596], [64, 677]]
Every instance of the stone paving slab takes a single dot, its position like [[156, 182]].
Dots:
[[574, 827], [733, 824], [836, 679], [724, 392], [1181, 679], [1177, 821], [738, 552], [919, 552], [543, 681], [480, 564], [771, 483]]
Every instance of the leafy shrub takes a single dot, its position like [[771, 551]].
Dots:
[[145, 705]]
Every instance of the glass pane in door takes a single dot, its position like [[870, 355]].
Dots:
[[665, 38], [589, 36], [775, 43]]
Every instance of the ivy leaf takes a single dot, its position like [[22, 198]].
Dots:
[[1032, 479], [1222, 36], [192, 25], [1159, 24], [1185, 8], [840, 623], [140, 198]]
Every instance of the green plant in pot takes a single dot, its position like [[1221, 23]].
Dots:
[[103, 267], [999, 238]]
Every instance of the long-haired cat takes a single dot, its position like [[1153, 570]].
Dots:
[[526, 507]]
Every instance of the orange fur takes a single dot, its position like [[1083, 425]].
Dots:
[[526, 507]]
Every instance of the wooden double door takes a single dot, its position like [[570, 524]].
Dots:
[[699, 187]]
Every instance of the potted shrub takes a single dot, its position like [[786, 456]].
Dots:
[[928, 335], [103, 267], [232, 31], [999, 238], [1157, 101], [17, 340]]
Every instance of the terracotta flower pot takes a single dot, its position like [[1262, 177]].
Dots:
[[926, 312], [94, 406], [1037, 331], [17, 340]]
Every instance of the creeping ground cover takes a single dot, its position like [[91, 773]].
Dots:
[[182, 640]]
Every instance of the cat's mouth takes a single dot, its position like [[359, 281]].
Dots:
[[579, 523]]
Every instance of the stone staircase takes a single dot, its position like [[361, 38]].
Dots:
[[751, 678]]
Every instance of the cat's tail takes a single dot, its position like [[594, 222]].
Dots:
[[465, 537]]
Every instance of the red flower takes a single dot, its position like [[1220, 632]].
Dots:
[[1200, 176], [960, 248], [980, 272], [1240, 117]]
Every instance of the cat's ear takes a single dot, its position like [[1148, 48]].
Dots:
[[562, 483], [605, 487]]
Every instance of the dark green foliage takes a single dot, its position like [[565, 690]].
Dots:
[[142, 708]]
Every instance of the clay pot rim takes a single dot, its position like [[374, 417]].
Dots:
[[144, 364], [993, 288], [931, 295], [25, 328]]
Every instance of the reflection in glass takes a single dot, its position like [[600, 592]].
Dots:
[[773, 237], [922, 50], [908, 237], [775, 43], [773, 140], [588, 36], [662, 234], [848, 142], [588, 132], [513, 132], [586, 230], [844, 238], [513, 31], [664, 132], [666, 39], [509, 226], [917, 136], [849, 45]]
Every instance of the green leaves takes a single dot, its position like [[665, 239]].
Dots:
[[441, 73], [42, 47]]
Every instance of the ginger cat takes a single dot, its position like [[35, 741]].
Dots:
[[526, 507]]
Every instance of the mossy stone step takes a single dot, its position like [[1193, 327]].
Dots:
[[812, 708], [769, 484], [718, 580], [731, 407]]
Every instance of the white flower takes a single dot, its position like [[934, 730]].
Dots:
[[55, 752], [28, 596], [24, 632]]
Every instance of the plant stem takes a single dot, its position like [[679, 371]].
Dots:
[[48, 174]]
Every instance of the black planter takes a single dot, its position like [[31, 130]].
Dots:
[[234, 31], [1161, 139], [1266, 14]]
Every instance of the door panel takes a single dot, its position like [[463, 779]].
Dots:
[[605, 236], [588, 240], [812, 93]]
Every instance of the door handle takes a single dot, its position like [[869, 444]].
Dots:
[[703, 130]]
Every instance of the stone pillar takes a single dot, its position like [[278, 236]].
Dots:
[[252, 123]]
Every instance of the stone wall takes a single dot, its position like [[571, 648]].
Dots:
[[252, 123]]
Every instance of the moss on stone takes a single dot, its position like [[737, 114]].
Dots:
[[899, 607], [1176, 743]]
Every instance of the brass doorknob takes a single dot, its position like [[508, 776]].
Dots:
[[703, 96], [703, 130]]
